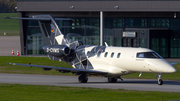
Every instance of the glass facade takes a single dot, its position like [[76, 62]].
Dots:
[[175, 38], [162, 36], [85, 30], [35, 41]]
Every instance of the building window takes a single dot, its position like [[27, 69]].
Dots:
[[158, 22], [92, 22], [135, 22], [175, 47], [114, 22], [35, 41]]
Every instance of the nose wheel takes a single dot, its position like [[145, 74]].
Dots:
[[160, 81]]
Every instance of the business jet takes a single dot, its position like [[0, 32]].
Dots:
[[106, 61]]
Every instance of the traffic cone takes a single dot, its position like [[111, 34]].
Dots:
[[17, 53], [12, 52]]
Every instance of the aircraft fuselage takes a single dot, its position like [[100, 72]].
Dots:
[[119, 61]]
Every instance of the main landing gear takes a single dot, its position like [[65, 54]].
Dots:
[[83, 78], [114, 79], [160, 81]]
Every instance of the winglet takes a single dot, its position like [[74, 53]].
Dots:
[[173, 64]]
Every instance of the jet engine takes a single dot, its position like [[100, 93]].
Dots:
[[57, 50]]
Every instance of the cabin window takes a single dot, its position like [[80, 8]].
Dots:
[[88, 53], [118, 55], [99, 54], [112, 54], [105, 55]]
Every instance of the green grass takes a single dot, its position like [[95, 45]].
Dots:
[[6, 68], [10, 34], [8, 24], [17, 92]]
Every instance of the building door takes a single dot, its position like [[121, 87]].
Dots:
[[133, 37], [130, 42]]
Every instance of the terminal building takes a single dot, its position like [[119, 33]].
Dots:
[[153, 24]]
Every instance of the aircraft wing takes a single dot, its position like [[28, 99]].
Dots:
[[73, 70]]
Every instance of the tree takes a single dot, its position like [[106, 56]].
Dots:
[[7, 6]]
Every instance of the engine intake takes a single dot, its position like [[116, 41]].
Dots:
[[57, 50]]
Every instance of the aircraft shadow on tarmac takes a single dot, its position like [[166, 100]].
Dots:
[[128, 82], [149, 82]]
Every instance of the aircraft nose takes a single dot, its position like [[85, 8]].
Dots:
[[171, 69]]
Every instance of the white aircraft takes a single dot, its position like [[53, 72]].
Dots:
[[110, 62]]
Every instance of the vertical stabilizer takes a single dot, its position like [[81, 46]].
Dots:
[[50, 31], [51, 34]]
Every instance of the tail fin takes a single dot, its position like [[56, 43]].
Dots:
[[50, 30]]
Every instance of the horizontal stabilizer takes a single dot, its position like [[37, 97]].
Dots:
[[40, 19], [73, 70]]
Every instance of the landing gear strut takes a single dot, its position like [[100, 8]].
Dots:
[[160, 81], [112, 80], [83, 78]]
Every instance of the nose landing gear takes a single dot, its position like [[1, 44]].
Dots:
[[160, 81]]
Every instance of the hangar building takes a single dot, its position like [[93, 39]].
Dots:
[[153, 24]]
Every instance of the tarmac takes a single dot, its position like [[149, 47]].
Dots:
[[93, 82], [9, 43]]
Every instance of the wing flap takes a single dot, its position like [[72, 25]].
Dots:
[[73, 70]]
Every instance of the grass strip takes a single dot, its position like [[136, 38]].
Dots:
[[8, 24], [6, 68], [17, 92], [10, 34]]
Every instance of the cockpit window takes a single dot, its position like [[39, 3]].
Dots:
[[147, 55]]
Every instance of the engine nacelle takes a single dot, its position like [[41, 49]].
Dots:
[[57, 50]]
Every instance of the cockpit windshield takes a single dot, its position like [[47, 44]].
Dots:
[[147, 55]]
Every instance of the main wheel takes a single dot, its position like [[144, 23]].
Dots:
[[112, 80], [160, 81], [83, 79]]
